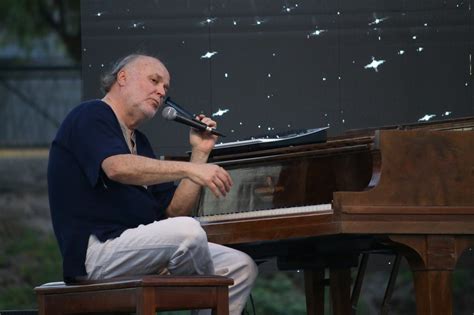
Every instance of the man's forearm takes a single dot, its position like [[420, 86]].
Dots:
[[138, 170], [187, 193]]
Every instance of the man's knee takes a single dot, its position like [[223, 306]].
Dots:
[[190, 231], [251, 268]]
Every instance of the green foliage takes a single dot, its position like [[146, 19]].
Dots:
[[13, 15], [25, 21], [32, 258], [278, 294]]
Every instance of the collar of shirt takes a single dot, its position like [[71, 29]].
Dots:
[[129, 136]]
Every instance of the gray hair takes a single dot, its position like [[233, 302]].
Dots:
[[109, 78]]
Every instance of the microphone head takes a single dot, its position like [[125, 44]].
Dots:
[[169, 113]]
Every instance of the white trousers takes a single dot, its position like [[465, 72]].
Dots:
[[177, 245]]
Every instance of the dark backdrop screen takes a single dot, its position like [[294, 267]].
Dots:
[[269, 66]]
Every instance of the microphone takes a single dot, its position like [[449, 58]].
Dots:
[[179, 109], [170, 113]]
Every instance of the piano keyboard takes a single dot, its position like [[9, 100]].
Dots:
[[264, 213]]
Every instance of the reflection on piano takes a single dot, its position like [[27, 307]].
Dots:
[[408, 189]]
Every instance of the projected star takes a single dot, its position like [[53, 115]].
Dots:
[[377, 21], [316, 33], [220, 112], [427, 117], [374, 64], [208, 55]]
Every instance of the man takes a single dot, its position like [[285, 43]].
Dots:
[[115, 209]]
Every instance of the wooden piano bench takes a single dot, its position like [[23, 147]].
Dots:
[[141, 295]]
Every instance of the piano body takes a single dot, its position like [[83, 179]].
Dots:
[[408, 189]]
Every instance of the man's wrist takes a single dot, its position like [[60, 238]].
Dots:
[[198, 156]]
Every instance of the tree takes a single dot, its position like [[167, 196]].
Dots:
[[25, 21]]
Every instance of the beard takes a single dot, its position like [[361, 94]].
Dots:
[[148, 109]]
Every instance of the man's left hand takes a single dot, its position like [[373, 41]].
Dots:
[[203, 141]]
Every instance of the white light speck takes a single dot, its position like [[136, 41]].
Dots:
[[143, 27], [232, 130], [102, 65], [208, 55], [426, 24], [325, 115], [118, 27], [134, 24], [324, 79], [220, 112], [401, 52], [374, 64], [235, 22], [268, 96], [447, 113], [338, 13], [289, 126], [241, 123], [389, 262], [269, 128], [274, 54], [466, 84], [419, 49], [226, 75], [90, 66], [259, 126], [296, 5], [208, 20], [353, 61], [182, 42], [414, 37], [85, 49], [427, 117], [288, 9], [380, 38], [269, 75], [343, 121], [339, 78], [99, 13]]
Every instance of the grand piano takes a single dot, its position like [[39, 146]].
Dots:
[[405, 189]]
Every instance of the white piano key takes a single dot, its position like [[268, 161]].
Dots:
[[264, 213]]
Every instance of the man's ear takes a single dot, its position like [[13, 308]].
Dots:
[[121, 77]]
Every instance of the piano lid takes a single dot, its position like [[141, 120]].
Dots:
[[307, 136]]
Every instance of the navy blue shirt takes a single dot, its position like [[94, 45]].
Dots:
[[83, 200]]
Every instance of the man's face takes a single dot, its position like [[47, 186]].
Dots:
[[146, 84]]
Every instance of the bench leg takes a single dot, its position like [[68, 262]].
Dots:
[[222, 302], [145, 302]]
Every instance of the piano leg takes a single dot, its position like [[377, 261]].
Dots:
[[340, 291], [340, 284], [314, 286], [432, 259]]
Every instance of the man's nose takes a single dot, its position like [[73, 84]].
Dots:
[[160, 90]]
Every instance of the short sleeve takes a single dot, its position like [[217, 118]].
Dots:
[[95, 135]]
